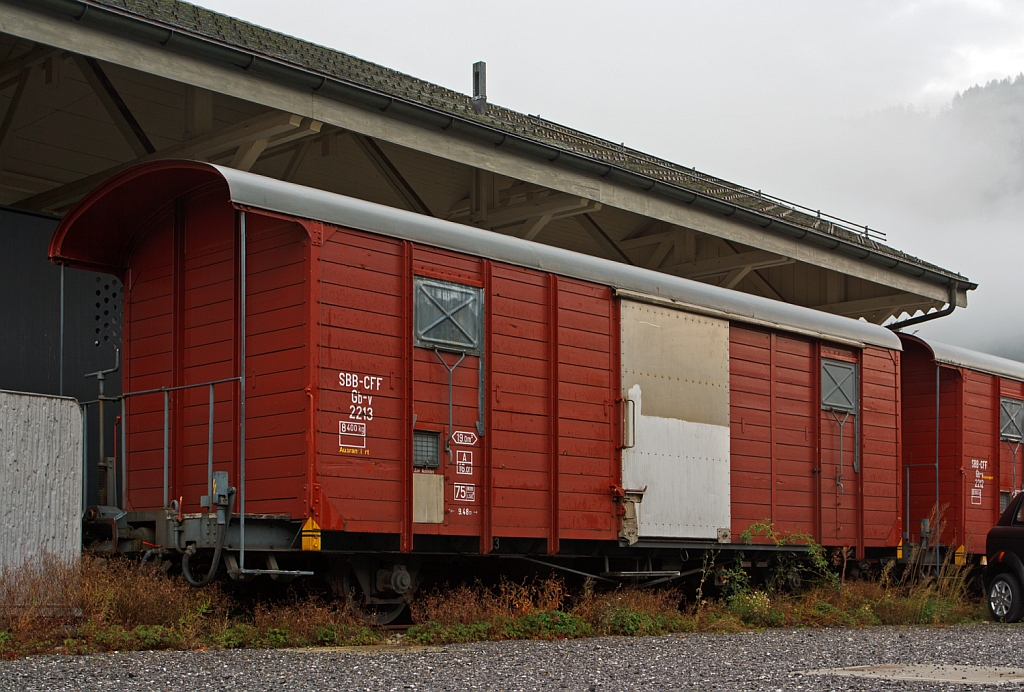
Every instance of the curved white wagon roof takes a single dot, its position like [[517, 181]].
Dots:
[[956, 356], [253, 191]]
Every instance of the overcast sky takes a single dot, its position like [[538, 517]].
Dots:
[[847, 107]]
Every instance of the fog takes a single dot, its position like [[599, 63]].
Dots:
[[906, 116]]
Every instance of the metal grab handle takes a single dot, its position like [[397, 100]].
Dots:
[[842, 434], [1013, 451], [451, 374], [629, 424]]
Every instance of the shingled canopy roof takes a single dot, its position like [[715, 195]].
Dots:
[[269, 51]]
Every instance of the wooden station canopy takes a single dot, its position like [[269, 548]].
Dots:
[[90, 87]]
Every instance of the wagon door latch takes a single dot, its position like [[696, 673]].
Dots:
[[627, 500]]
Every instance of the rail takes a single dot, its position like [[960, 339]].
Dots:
[[166, 391]]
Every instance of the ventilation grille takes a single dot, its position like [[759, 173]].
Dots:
[[108, 310], [426, 450]]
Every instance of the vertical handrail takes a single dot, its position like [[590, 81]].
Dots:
[[124, 454], [241, 397], [61, 378], [628, 423], [906, 516], [209, 457], [167, 458], [1014, 468], [1013, 452]]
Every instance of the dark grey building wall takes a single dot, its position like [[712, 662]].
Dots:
[[30, 324]]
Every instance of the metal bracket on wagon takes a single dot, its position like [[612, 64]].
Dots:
[[627, 500]]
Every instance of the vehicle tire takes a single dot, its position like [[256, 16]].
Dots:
[[1005, 598]]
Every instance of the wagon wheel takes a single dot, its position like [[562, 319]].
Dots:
[[374, 613]]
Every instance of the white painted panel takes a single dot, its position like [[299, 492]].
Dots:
[[675, 371], [427, 498], [40, 477], [685, 468]]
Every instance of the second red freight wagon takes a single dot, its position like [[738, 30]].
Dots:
[[963, 423], [396, 384]]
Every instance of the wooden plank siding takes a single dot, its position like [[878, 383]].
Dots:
[[329, 341], [972, 460], [978, 471], [181, 330], [785, 449], [361, 313]]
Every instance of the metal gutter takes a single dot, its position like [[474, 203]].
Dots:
[[928, 316], [149, 31]]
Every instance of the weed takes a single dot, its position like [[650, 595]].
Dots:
[[50, 605], [53, 606], [239, 635], [755, 608], [631, 611]]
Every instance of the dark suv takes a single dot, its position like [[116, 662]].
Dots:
[[1004, 575]]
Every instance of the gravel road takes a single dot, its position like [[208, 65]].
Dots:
[[770, 660]]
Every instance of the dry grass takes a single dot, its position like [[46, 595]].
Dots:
[[98, 605], [632, 612], [909, 596], [532, 610]]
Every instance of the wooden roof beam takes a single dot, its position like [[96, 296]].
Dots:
[[246, 155], [604, 241], [756, 259], [114, 105], [881, 308], [11, 69], [558, 205], [12, 107], [268, 126], [398, 184]]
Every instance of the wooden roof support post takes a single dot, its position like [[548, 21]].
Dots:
[[198, 112]]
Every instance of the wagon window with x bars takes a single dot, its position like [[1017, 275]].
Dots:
[[1011, 419], [447, 315], [839, 386]]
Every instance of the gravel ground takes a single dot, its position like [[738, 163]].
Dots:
[[769, 660]]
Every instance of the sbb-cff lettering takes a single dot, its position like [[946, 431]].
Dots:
[[351, 380]]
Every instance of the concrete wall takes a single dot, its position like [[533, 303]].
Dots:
[[40, 477]]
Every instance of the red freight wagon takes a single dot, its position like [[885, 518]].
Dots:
[[410, 385], [976, 401]]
